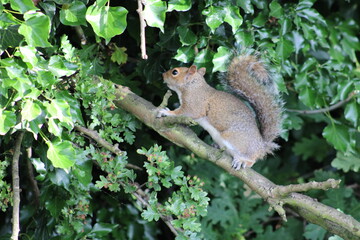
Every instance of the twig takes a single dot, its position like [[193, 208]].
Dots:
[[16, 187], [327, 109], [165, 100], [141, 195], [112, 148], [282, 191], [142, 29], [33, 182]]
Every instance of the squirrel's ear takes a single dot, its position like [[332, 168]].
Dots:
[[202, 71], [192, 69]]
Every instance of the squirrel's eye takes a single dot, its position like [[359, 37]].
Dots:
[[174, 72]]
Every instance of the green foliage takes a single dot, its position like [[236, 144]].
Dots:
[[56, 59]]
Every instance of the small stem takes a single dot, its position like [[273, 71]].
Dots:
[[142, 30], [16, 187]]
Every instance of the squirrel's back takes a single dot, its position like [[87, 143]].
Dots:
[[248, 77]]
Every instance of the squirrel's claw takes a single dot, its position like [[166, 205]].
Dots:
[[241, 164]]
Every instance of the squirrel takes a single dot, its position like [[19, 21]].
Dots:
[[231, 123]]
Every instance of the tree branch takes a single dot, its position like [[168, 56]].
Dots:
[[331, 219], [142, 29], [16, 187], [327, 109], [102, 142]]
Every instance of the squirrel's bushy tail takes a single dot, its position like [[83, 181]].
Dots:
[[249, 78]]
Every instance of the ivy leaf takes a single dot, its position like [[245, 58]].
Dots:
[[246, 6], [155, 13], [284, 48], [60, 67], [73, 14], [28, 55], [221, 59], [179, 5], [10, 37], [187, 37], [7, 121], [214, 17], [233, 17], [61, 154], [204, 59], [36, 29], [22, 5], [337, 135], [185, 54], [107, 21], [30, 110], [276, 10]]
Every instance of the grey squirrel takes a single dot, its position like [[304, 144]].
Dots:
[[228, 120]]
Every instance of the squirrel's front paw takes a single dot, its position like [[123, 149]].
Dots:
[[163, 112], [238, 164]]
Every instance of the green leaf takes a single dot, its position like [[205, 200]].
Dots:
[[337, 135], [155, 13], [221, 58], [307, 95], [30, 110], [187, 37], [107, 21], [179, 5], [204, 59], [352, 112], [185, 54], [214, 17], [314, 232], [346, 162], [103, 229], [60, 67], [60, 109], [313, 147], [284, 48], [276, 10], [119, 55], [73, 14], [10, 37], [150, 214], [36, 29], [23, 5], [244, 38], [233, 17], [246, 6], [7, 121], [54, 128], [61, 154], [28, 54]]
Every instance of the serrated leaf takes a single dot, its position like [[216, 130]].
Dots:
[[312, 147], [155, 13], [7, 121], [119, 55], [61, 154], [107, 21], [314, 232], [337, 135], [149, 214], [36, 29], [221, 58], [346, 162], [73, 14]]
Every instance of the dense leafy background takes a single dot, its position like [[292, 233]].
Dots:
[[56, 56]]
